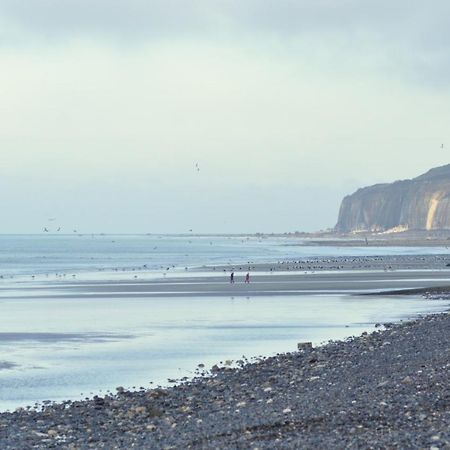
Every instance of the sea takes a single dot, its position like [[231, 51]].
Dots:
[[55, 349]]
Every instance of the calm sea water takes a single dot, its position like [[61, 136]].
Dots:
[[22, 255], [57, 349]]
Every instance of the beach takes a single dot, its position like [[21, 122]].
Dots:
[[205, 363], [261, 284], [319, 275], [387, 389], [225, 225]]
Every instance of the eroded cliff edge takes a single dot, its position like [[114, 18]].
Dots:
[[422, 203]]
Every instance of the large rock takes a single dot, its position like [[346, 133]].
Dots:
[[422, 203]]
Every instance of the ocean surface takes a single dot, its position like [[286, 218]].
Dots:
[[50, 255], [56, 349]]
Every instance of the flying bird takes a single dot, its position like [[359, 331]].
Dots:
[[45, 230], [442, 145], [197, 168]]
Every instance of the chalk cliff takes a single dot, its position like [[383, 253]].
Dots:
[[422, 203]]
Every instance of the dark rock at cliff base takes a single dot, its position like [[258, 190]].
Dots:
[[422, 203]]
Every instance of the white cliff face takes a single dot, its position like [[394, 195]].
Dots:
[[422, 203], [434, 203]]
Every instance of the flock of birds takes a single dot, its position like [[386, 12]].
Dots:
[[46, 229]]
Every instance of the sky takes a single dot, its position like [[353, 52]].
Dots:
[[107, 108]]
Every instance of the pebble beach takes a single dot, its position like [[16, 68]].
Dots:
[[382, 389], [386, 389]]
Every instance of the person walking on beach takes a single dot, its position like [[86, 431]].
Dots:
[[232, 278], [247, 277]]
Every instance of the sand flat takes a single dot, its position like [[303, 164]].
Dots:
[[349, 282]]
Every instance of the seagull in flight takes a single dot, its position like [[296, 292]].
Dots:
[[197, 168], [442, 145], [45, 230]]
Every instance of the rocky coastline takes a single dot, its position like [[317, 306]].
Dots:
[[421, 203], [387, 389]]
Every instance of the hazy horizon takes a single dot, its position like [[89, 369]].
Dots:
[[220, 117]]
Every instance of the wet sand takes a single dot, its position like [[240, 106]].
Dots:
[[410, 238], [280, 283]]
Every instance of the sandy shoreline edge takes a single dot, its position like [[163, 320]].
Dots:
[[316, 275]]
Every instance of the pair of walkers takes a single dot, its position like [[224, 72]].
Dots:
[[247, 277]]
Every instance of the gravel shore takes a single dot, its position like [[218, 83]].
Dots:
[[388, 389]]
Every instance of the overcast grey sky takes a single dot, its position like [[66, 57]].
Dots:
[[107, 105]]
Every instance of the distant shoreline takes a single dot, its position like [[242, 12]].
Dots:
[[378, 242], [414, 238]]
